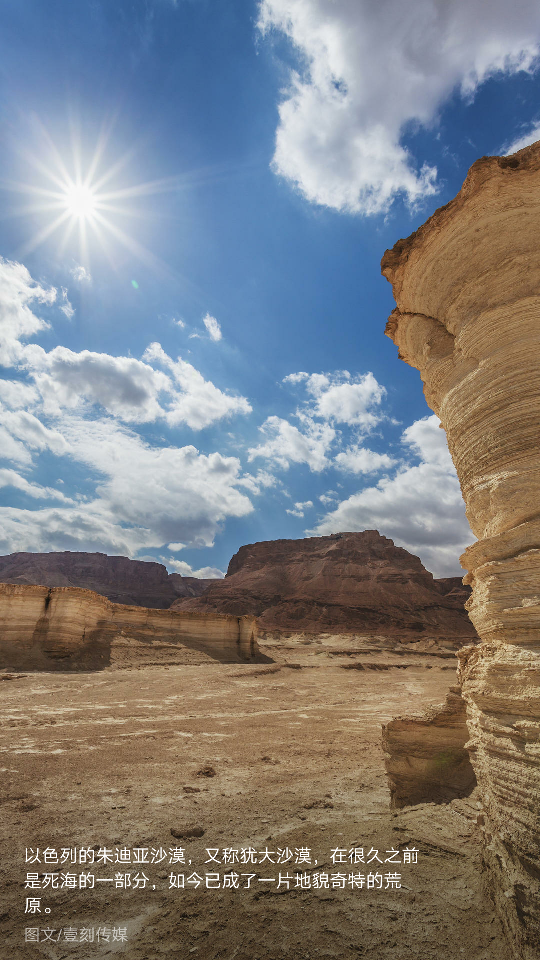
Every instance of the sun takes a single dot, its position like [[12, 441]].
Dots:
[[81, 201], [84, 200]]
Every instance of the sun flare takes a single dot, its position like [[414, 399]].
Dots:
[[83, 200], [80, 201]]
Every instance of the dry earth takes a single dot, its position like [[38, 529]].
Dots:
[[117, 759]]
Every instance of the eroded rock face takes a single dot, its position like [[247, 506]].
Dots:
[[64, 628], [426, 760], [138, 582], [467, 288], [347, 582]]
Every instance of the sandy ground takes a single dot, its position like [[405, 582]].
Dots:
[[283, 757]]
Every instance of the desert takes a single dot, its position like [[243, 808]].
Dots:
[[269, 569]]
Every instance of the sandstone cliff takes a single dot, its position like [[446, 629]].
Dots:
[[65, 628], [138, 582], [346, 582], [467, 288]]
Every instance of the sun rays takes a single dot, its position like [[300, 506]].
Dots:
[[84, 201]]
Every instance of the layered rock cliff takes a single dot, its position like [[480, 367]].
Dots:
[[65, 628], [346, 582], [426, 759], [467, 288], [138, 582]]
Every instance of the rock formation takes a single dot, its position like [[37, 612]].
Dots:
[[343, 583], [467, 288], [64, 628], [426, 757], [138, 582]]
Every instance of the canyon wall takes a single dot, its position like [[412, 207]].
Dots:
[[467, 288], [64, 628], [343, 583], [140, 582]]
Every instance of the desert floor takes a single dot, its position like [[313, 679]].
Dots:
[[121, 758]]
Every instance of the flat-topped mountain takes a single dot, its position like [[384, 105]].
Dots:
[[341, 583], [138, 582]]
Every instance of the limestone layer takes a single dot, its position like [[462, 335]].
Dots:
[[426, 760], [64, 628], [467, 288], [138, 582]]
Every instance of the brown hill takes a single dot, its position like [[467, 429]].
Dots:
[[136, 582], [347, 582]]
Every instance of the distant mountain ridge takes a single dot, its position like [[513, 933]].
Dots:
[[139, 582], [346, 582]]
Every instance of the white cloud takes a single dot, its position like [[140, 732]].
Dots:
[[66, 306], [17, 321], [10, 478], [179, 323], [144, 496], [200, 402], [295, 377], [213, 327], [368, 70], [332, 398], [29, 429], [349, 402], [523, 141], [80, 274], [361, 460], [184, 569], [176, 547], [256, 484], [420, 508], [300, 508], [286, 444], [125, 387]]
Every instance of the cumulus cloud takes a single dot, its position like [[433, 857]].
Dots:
[[144, 496], [368, 71], [362, 460], [184, 569], [332, 398], [199, 402], [17, 321], [300, 508], [420, 508], [213, 327], [345, 399], [125, 387], [285, 444], [136, 496]]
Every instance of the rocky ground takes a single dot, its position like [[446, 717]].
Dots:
[[284, 757]]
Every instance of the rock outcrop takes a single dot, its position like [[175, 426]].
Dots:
[[467, 288], [65, 628], [426, 760], [343, 583], [139, 582]]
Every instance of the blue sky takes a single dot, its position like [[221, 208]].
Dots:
[[196, 196]]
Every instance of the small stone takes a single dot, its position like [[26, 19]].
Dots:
[[187, 833], [206, 771]]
